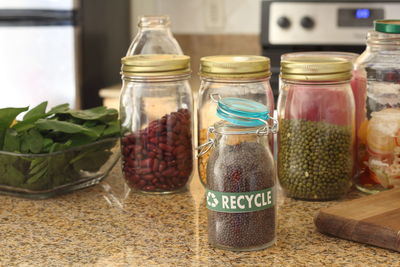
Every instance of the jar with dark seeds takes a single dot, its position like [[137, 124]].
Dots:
[[241, 167]]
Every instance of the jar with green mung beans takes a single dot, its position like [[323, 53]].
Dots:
[[316, 138]]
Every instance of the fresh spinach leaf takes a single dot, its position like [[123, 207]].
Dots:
[[11, 141], [99, 113], [7, 116], [35, 141], [9, 173], [38, 111], [24, 142], [63, 126], [63, 108], [113, 129], [47, 143], [31, 116]]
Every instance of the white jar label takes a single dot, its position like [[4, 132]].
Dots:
[[241, 201]]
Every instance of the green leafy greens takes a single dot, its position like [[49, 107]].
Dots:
[[59, 129]]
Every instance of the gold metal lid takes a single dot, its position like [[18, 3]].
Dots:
[[235, 66], [151, 65], [316, 68], [352, 57]]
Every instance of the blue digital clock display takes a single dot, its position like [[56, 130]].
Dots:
[[363, 13]]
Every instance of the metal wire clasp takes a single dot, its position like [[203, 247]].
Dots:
[[204, 148], [215, 97]]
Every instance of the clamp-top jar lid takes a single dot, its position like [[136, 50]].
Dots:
[[242, 112], [235, 66], [305, 68], [151, 65]]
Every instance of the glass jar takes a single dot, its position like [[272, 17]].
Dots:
[[229, 76], [241, 192], [378, 148], [154, 37], [316, 137], [156, 115]]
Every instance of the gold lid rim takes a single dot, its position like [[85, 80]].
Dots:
[[343, 76], [254, 75], [234, 64], [166, 74], [155, 64], [306, 68]]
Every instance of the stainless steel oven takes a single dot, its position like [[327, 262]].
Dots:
[[290, 25]]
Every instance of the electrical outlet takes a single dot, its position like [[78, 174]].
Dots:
[[214, 15]]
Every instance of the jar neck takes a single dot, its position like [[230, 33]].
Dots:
[[158, 24], [378, 41], [232, 134]]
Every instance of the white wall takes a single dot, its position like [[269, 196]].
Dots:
[[204, 16]]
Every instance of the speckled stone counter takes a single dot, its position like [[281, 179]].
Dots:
[[102, 226]]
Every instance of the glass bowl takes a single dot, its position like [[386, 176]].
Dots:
[[42, 176]]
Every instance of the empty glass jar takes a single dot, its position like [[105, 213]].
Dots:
[[316, 136], [378, 165], [156, 116], [154, 37], [244, 77]]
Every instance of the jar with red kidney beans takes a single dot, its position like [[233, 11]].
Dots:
[[156, 123]]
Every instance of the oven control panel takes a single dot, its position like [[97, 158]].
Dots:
[[319, 23]]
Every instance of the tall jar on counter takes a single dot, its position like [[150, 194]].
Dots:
[[241, 191], [244, 77], [378, 166], [156, 115], [154, 37], [316, 136]]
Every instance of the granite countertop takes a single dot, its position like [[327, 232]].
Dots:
[[103, 226]]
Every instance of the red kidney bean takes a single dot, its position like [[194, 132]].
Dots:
[[159, 157], [141, 183], [148, 177], [147, 163], [162, 166], [155, 166], [149, 188]]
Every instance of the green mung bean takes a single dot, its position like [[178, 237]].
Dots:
[[315, 159]]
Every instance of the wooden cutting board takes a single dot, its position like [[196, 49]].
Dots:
[[373, 220]]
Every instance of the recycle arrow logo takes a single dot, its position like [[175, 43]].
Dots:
[[212, 200]]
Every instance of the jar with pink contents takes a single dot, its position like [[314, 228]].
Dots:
[[316, 118]]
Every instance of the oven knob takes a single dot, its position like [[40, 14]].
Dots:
[[283, 22], [307, 22]]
